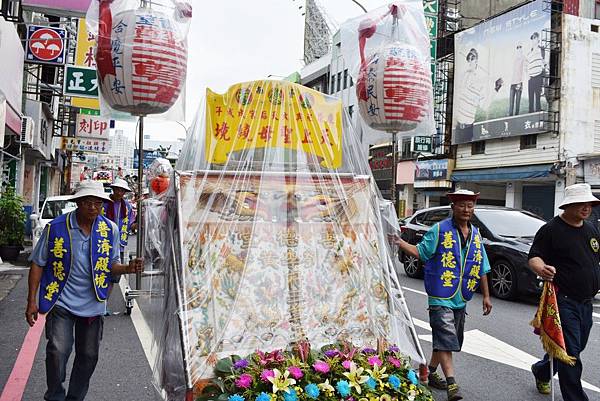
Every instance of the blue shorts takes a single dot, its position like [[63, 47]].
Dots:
[[447, 328]]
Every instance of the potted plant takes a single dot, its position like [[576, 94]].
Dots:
[[12, 225]]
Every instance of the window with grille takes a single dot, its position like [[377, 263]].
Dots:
[[529, 141], [478, 148]]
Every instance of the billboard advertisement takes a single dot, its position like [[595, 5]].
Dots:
[[501, 68], [45, 45]]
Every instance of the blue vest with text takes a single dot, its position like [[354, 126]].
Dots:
[[124, 222], [60, 258], [445, 275]]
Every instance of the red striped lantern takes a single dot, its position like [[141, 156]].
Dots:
[[141, 59], [394, 88]]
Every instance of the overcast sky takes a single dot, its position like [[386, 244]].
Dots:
[[240, 40]]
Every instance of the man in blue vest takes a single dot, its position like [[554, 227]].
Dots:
[[455, 265], [119, 211], [72, 265]]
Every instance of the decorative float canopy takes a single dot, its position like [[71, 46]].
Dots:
[[141, 59], [278, 233]]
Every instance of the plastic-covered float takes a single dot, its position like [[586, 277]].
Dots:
[[279, 281]]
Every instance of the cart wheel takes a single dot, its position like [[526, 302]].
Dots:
[[128, 310]]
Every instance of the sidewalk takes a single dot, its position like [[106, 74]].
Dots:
[[122, 373]]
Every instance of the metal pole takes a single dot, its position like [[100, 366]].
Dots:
[[361, 6], [394, 172], [552, 376], [140, 231]]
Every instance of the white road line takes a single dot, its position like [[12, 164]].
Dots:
[[596, 314], [143, 330], [415, 291], [485, 346], [422, 324]]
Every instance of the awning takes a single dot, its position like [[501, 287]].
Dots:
[[503, 173]]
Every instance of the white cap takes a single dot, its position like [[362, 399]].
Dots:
[[578, 193], [90, 188], [121, 183]]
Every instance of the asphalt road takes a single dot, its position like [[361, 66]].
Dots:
[[497, 372]]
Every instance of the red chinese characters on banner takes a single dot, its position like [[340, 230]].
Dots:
[[92, 126]]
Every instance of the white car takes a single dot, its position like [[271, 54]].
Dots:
[[53, 207]]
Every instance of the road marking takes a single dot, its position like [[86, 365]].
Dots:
[[15, 386], [141, 327], [596, 314], [485, 346], [422, 324], [415, 291]]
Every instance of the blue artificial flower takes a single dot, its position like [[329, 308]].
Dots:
[[394, 348], [263, 397], [343, 387], [241, 364], [412, 376], [312, 391], [290, 395], [371, 383], [394, 382], [236, 397], [369, 351]]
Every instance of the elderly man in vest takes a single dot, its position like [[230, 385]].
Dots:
[[455, 265], [119, 211], [72, 265]]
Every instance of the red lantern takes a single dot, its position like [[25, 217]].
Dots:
[[394, 88], [159, 184], [141, 59]]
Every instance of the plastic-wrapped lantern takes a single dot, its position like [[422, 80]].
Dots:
[[159, 184], [394, 88], [141, 59]]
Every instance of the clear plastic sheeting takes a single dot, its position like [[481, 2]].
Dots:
[[278, 234], [388, 54], [141, 56]]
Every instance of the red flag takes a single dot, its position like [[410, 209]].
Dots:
[[548, 327]]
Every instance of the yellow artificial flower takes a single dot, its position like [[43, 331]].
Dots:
[[328, 388], [385, 397], [412, 394], [377, 373], [355, 377], [281, 381]]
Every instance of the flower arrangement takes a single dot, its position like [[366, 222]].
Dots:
[[337, 372]]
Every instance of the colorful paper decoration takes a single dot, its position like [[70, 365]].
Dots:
[[141, 59]]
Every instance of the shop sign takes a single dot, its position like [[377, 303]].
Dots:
[[422, 144], [45, 45], [92, 126], [92, 145], [81, 81], [431, 170], [430, 7], [591, 171]]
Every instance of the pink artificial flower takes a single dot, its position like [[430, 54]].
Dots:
[[264, 376], [244, 381], [296, 372], [394, 361], [374, 361], [321, 367], [346, 364], [266, 358]]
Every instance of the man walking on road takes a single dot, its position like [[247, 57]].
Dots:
[[455, 263], [119, 211], [566, 251], [72, 265]]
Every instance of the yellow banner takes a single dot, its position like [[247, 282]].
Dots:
[[84, 56], [273, 114]]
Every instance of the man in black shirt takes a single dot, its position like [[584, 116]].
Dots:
[[566, 251]]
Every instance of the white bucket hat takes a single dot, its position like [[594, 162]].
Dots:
[[578, 193], [121, 183], [462, 194], [90, 188]]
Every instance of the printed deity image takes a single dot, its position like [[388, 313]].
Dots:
[[280, 230], [502, 76]]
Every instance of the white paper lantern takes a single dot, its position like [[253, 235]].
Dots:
[[141, 61], [394, 89]]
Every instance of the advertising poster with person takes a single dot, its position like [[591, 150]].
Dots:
[[501, 71]]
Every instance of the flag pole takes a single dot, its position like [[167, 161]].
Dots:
[[551, 376]]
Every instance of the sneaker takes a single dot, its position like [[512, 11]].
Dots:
[[436, 381], [542, 386], [454, 392]]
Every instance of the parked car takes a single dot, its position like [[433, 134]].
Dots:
[[53, 207], [507, 235]]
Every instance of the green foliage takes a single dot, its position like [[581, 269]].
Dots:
[[12, 218]]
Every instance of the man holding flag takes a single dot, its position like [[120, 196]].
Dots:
[[565, 251]]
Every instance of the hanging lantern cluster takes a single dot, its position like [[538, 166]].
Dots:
[[394, 84], [141, 59]]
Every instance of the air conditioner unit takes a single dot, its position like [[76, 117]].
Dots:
[[27, 129]]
